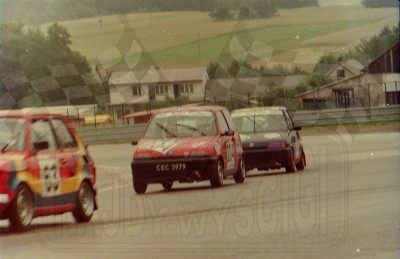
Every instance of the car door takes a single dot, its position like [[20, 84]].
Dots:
[[237, 144], [227, 142], [44, 147], [293, 136], [67, 155]]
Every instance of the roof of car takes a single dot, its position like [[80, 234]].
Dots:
[[259, 109], [28, 112], [195, 108]]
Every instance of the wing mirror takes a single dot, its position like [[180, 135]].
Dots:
[[42, 145], [229, 133], [297, 127]]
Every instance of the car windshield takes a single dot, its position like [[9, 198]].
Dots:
[[259, 122], [181, 124], [12, 137]]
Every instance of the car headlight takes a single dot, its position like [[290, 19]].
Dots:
[[143, 156], [198, 154]]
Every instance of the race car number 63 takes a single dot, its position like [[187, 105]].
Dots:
[[170, 167]]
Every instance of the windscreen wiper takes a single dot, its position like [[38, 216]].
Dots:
[[192, 128], [166, 130]]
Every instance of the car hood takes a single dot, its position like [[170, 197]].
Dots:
[[12, 163], [175, 147], [262, 139]]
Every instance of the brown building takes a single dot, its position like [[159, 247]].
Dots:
[[378, 84]]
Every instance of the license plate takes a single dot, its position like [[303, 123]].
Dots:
[[171, 167]]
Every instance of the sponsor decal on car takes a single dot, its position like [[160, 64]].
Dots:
[[161, 145], [199, 144], [51, 178], [184, 113]]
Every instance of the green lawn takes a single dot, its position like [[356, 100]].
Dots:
[[176, 39]]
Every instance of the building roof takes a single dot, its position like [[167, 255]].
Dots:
[[157, 75], [388, 62], [350, 65], [329, 85]]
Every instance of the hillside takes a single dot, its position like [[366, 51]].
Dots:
[[174, 39]]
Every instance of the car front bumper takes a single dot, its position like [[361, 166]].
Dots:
[[174, 169]]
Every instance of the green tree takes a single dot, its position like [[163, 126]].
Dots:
[[296, 3], [314, 81], [212, 69], [33, 53], [12, 47], [380, 3], [236, 66], [265, 8], [221, 14], [233, 69], [379, 43]]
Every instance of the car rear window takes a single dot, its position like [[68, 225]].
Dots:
[[259, 122], [12, 137]]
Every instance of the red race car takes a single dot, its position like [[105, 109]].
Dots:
[[44, 169], [188, 145]]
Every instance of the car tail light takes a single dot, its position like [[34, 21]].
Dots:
[[277, 144], [3, 178]]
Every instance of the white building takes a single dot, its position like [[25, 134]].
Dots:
[[156, 84]]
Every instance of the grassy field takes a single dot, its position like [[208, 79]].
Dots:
[[176, 39]]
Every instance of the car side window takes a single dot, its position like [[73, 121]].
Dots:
[[64, 137], [228, 118], [222, 122], [288, 120], [41, 131]]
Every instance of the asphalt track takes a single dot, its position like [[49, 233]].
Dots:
[[345, 204]]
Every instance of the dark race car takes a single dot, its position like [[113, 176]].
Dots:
[[188, 145], [44, 169], [269, 139]]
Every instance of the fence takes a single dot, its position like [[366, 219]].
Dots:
[[127, 133]]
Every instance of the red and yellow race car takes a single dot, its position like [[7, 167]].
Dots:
[[44, 169], [188, 145]]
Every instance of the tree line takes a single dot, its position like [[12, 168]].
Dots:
[[41, 11], [28, 55], [366, 50], [380, 3]]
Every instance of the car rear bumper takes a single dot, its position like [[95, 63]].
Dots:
[[163, 170], [265, 159]]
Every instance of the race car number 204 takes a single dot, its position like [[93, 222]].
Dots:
[[170, 167]]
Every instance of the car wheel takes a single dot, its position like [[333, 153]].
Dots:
[[290, 164], [302, 164], [240, 176], [139, 187], [167, 185], [85, 205], [21, 210], [218, 179]]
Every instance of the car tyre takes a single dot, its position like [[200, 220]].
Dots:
[[290, 164], [218, 179], [167, 185], [21, 209], [240, 176], [86, 203], [302, 164], [139, 187]]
